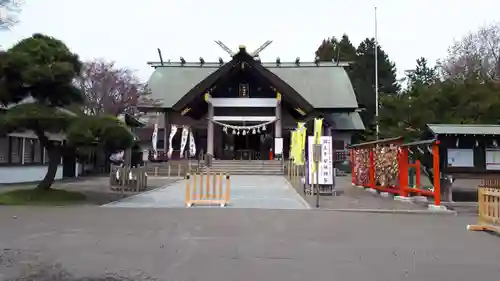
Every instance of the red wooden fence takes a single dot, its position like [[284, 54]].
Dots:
[[384, 165]]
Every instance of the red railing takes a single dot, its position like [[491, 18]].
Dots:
[[384, 165]]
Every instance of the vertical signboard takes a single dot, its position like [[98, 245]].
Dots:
[[325, 165]]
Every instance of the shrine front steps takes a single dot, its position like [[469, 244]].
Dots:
[[246, 167]]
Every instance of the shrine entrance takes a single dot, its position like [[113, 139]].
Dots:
[[246, 145]]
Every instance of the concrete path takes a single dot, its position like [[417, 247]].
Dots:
[[263, 192]]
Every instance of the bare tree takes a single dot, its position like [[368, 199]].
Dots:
[[8, 13], [110, 89], [476, 54]]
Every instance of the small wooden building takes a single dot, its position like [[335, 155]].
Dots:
[[467, 150]]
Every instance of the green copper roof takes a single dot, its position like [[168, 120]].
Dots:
[[170, 84], [326, 86], [464, 129], [323, 87], [348, 121]]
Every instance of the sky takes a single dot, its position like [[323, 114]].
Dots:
[[129, 32]]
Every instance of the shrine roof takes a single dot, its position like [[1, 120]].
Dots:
[[348, 121], [464, 129], [325, 85]]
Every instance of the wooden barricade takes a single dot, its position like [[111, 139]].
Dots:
[[207, 189], [125, 178], [488, 201]]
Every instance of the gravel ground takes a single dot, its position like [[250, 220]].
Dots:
[[92, 243]]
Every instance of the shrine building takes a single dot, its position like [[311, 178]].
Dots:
[[236, 109]]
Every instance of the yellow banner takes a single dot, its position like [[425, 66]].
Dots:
[[318, 124], [302, 133], [301, 137], [293, 142]]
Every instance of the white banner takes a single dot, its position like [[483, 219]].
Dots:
[[278, 146], [184, 139], [154, 141], [325, 165], [192, 144], [173, 130]]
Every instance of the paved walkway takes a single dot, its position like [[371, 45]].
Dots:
[[358, 199], [263, 192]]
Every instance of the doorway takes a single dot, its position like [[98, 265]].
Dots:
[[247, 147]]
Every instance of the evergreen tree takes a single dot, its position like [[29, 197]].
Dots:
[[36, 90], [332, 50], [362, 73], [423, 73]]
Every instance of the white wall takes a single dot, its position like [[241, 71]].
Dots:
[[17, 174]]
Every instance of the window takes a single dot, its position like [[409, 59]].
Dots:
[[16, 150], [492, 159], [29, 151], [4, 150], [460, 157]]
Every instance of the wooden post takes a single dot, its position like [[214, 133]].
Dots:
[[200, 188], [294, 174], [156, 171], [437, 173], [134, 184], [298, 175], [188, 190], [371, 166], [213, 194], [220, 194], [418, 184], [207, 185], [371, 183], [194, 192], [353, 170], [228, 188], [111, 176], [403, 171], [169, 170]]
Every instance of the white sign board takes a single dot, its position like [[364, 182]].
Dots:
[[459, 157], [278, 146], [492, 159], [325, 165]]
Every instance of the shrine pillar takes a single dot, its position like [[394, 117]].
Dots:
[[210, 127], [278, 124]]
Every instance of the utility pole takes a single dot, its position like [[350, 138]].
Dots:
[[376, 76]]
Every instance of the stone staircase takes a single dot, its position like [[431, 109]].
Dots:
[[247, 167], [173, 168]]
